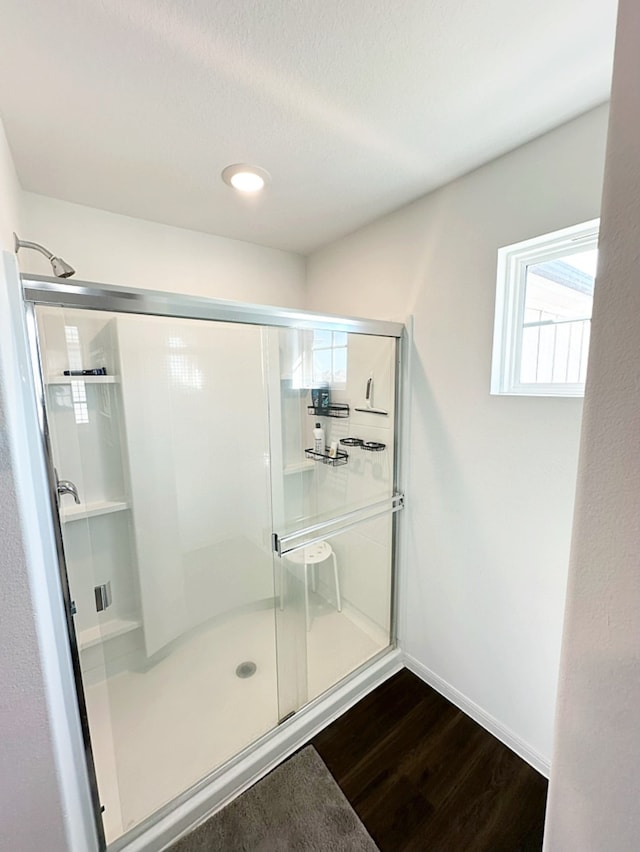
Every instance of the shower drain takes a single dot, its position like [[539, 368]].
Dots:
[[246, 669]]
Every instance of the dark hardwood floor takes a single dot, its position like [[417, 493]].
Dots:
[[422, 775]]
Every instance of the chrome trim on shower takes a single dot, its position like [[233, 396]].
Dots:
[[106, 297], [400, 469], [69, 607]]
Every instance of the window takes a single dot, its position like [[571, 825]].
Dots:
[[543, 313]]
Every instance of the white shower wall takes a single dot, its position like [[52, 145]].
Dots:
[[198, 447]]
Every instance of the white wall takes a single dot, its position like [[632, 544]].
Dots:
[[593, 795], [114, 249], [31, 816], [492, 480], [490, 496], [10, 195]]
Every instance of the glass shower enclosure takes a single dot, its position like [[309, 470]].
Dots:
[[225, 482]]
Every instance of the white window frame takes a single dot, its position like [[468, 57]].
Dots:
[[513, 261]]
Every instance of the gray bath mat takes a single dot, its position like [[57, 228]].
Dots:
[[296, 808]]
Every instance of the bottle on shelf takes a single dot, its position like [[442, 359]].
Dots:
[[318, 439]]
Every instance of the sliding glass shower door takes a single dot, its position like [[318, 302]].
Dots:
[[334, 443], [160, 440], [226, 495]]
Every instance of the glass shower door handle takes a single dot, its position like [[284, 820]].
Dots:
[[284, 543]]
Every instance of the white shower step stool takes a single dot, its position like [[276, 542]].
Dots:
[[310, 556]]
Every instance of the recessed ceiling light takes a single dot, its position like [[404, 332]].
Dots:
[[245, 178]]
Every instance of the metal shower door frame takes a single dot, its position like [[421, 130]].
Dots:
[[63, 575], [41, 289]]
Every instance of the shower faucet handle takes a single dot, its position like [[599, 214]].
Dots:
[[65, 486]]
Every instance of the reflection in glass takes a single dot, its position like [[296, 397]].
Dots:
[[315, 491], [557, 319]]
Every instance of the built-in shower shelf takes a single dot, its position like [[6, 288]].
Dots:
[[91, 510], [298, 467], [89, 380], [107, 630]]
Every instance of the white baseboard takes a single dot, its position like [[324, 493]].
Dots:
[[259, 759], [500, 731]]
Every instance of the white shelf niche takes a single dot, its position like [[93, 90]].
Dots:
[[91, 510], [89, 380], [107, 630]]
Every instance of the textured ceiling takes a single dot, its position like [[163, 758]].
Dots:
[[354, 106]]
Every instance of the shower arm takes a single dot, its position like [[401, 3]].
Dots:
[[29, 245]]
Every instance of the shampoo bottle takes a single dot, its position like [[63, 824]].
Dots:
[[318, 439]]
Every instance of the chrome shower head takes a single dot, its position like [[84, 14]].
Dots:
[[61, 269]]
